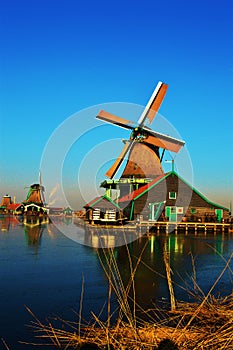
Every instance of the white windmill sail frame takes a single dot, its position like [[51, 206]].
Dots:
[[143, 116]]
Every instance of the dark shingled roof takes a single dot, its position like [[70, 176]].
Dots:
[[102, 202], [134, 194]]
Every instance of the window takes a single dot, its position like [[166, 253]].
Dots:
[[172, 195], [179, 210], [193, 210]]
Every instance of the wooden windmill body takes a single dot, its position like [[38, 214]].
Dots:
[[34, 202], [143, 147], [34, 195]]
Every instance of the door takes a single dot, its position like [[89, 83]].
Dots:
[[171, 214], [219, 214]]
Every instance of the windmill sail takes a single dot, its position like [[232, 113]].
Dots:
[[42, 189], [113, 119], [112, 171], [153, 104], [163, 141], [153, 109]]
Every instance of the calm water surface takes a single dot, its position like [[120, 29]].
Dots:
[[44, 270]]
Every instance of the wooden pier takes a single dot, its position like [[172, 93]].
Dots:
[[166, 227], [186, 227]]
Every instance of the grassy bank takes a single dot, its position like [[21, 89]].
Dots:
[[196, 326]]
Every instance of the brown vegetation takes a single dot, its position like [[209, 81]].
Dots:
[[206, 324], [209, 328]]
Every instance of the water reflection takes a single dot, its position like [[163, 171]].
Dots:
[[206, 252], [52, 283], [100, 237], [33, 230], [8, 222], [94, 236], [150, 282]]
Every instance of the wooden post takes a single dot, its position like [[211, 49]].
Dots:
[[169, 279]]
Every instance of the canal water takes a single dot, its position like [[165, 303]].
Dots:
[[42, 269]]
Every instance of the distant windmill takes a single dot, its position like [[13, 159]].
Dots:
[[34, 195], [143, 146]]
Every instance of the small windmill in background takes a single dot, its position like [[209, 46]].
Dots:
[[34, 204], [36, 193]]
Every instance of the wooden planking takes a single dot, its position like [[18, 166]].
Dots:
[[185, 195], [185, 227]]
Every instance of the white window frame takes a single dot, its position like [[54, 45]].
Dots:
[[170, 197]]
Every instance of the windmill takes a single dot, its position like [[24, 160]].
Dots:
[[34, 195], [144, 160], [34, 204]]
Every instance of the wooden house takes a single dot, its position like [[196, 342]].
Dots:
[[67, 211], [168, 197], [32, 209], [103, 210], [9, 207], [6, 200], [15, 208], [55, 211]]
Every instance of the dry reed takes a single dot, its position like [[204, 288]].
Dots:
[[205, 324]]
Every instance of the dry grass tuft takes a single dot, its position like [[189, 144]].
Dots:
[[212, 328]]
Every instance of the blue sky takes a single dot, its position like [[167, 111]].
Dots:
[[59, 57]]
